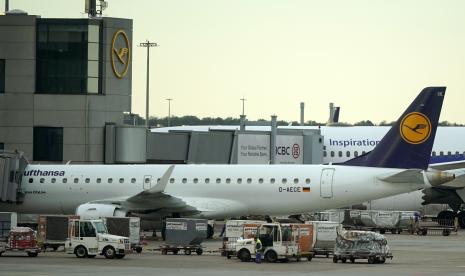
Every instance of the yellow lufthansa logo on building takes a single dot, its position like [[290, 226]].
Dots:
[[120, 54], [415, 128]]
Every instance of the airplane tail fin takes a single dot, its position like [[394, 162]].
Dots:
[[409, 142]]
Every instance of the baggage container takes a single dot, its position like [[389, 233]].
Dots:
[[185, 231], [53, 230], [324, 236], [21, 239], [8, 221], [125, 227]]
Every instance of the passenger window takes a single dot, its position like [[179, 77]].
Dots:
[[457, 153], [272, 180], [65, 180], [449, 153], [260, 180], [332, 153], [121, 180], [441, 153], [42, 180], [207, 180], [196, 180], [87, 180], [133, 180], [218, 180], [147, 180], [54, 180], [355, 153], [99, 180], [110, 180], [348, 153], [296, 181], [31, 180], [284, 180], [228, 180], [363, 152], [340, 153], [239, 180], [158, 180], [434, 153], [171, 180], [184, 180], [324, 153], [76, 180], [249, 180], [307, 181]]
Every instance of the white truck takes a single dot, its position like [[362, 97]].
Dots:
[[89, 238], [279, 241]]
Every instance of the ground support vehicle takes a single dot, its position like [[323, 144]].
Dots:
[[324, 236], [279, 242], [352, 245], [21, 239], [236, 230], [53, 231], [125, 227], [433, 226], [89, 238], [185, 234]]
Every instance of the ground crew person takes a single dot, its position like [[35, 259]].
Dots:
[[258, 250]]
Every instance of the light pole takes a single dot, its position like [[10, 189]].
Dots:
[[169, 111], [147, 44], [243, 101]]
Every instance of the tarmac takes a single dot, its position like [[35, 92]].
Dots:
[[413, 255]]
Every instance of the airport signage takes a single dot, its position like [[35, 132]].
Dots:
[[255, 149]]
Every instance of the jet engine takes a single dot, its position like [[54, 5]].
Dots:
[[96, 211]]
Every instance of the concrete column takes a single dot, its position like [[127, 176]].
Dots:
[[273, 139], [302, 113], [242, 123]]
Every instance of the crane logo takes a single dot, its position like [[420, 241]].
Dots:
[[120, 54], [415, 128]]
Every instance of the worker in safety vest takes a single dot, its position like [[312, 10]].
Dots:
[[258, 250]]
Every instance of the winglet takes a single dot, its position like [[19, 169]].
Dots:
[[161, 185], [409, 142]]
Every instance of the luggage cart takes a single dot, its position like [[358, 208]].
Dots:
[[167, 248]]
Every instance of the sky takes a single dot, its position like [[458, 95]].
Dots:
[[370, 57]]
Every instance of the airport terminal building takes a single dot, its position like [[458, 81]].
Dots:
[[61, 81]]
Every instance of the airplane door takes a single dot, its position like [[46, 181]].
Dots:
[[326, 183], [147, 182]]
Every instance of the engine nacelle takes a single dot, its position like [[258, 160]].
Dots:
[[437, 178], [97, 211]]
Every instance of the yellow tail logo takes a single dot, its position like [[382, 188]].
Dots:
[[415, 128]]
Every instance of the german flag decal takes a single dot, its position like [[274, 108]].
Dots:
[[306, 189]]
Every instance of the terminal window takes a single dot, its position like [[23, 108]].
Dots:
[[2, 146], [2, 76], [48, 144], [67, 57]]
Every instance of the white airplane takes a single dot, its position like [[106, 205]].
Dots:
[[396, 165]]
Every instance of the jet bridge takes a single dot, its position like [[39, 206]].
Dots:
[[12, 166]]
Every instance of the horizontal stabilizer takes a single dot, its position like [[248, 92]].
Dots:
[[407, 176]]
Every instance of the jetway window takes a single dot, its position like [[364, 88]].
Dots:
[[54, 180], [76, 180], [110, 180], [272, 180], [133, 180], [239, 180], [121, 180], [207, 180], [196, 180], [307, 181], [31, 180], [218, 180], [332, 153], [2, 77], [184, 180], [99, 180], [347, 153], [87, 180], [228, 180], [249, 180]]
